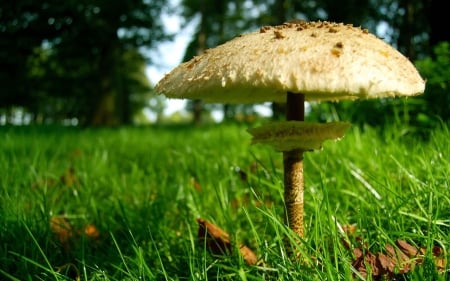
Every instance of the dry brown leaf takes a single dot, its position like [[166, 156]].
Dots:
[[400, 262], [439, 258], [380, 264], [248, 255], [384, 264], [440, 264], [67, 235], [218, 242], [215, 238], [349, 229], [362, 260], [397, 260], [407, 248], [91, 231], [62, 230]]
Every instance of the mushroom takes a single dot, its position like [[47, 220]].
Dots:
[[296, 62]]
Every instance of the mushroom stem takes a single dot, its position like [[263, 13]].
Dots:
[[293, 169]]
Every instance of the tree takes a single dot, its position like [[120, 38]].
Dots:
[[85, 44], [19, 24], [434, 106], [217, 24]]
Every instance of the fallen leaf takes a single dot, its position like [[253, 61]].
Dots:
[[400, 262], [362, 260], [349, 229], [62, 229], [91, 231], [407, 248], [215, 238], [67, 235], [248, 255], [217, 241], [395, 262]]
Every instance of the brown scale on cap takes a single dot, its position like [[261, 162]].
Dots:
[[337, 49], [301, 25], [193, 62], [264, 29], [332, 30], [278, 34]]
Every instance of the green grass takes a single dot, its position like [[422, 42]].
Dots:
[[144, 188]]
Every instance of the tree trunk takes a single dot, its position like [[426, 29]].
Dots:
[[201, 47], [406, 34], [104, 108]]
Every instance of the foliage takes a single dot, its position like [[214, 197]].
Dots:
[[436, 71], [409, 25], [74, 58], [122, 204]]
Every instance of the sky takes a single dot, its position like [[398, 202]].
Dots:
[[170, 54]]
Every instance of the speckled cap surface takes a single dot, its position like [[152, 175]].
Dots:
[[322, 60]]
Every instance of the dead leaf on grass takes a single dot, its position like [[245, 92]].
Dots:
[[67, 235], [91, 231], [393, 261], [217, 241], [62, 230]]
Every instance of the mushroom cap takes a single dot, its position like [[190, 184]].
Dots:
[[322, 60]]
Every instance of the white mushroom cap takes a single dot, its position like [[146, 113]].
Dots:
[[322, 60]]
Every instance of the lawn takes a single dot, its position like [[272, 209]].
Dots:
[[123, 204]]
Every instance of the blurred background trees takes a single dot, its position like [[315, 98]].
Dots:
[[80, 59], [83, 62]]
